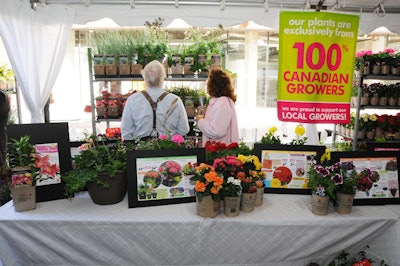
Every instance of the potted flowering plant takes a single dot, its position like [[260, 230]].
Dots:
[[232, 190], [363, 61], [100, 167], [208, 183], [23, 173], [216, 149], [299, 139], [208, 190], [347, 172], [232, 187], [270, 137], [228, 166], [163, 142]]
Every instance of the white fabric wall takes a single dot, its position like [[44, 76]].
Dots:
[[36, 42]]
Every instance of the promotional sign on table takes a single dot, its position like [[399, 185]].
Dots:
[[316, 58]]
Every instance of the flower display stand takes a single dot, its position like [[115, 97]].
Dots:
[[207, 207], [24, 198]]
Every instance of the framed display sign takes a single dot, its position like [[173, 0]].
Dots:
[[53, 155], [160, 177], [286, 166], [377, 176]]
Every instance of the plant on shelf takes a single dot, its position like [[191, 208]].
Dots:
[[155, 47], [367, 122], [362, 58], [387, 56], [393, 90], [95, 158], [381, 90]]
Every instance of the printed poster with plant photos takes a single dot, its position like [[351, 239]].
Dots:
[[48, 164], [377, 175]]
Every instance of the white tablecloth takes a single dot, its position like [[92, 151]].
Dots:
[[281, 232]]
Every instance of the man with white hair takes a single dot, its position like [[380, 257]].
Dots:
[[153, 111]]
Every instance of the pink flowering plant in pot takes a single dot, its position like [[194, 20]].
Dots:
[[163, 141]]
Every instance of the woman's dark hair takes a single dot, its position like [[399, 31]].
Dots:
[[220, 84]]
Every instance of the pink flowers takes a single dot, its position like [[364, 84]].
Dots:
[[363, 53], [23, 178], [171, 172], [178, 139]]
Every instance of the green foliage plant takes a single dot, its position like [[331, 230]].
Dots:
[[97, 156], [20, 152]]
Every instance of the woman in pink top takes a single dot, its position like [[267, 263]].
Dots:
[[220, 121]]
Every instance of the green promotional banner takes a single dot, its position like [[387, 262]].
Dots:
[[316, 58]]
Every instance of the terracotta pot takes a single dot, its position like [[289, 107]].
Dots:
[[366, 69], [344, 203], [370, 134], [395, 70], [364, 100], [392, 101], [376, 69], [385, 70], [374, 100], [361, 134], [383, 101], [112, 194]]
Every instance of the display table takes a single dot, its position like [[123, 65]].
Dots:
[[281, 232]]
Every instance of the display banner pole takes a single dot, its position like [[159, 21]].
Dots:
[[316, 58]]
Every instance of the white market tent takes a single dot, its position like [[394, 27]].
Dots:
[[35, 32]]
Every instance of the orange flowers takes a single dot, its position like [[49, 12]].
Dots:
[[208, 182]]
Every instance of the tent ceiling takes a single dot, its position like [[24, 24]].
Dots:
[[228, 13], [390, 6]]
